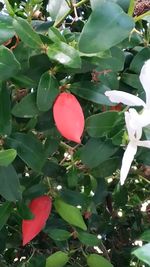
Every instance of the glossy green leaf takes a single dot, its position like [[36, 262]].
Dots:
[[140, 59], [6, 28], [9, 66], [88, 239], [55, 35], [5, 211], [57, 9], [64, 54], [9, 183], [95, 260], [70, 214], [59, 234], [26, 108], [93, 36], [58, 259], [145, 236], [101, 124], [143, 254], [96, 151], [132, 80], [26, 33], [5, 111], [92, 92], [7, 156], [107, 167], [29, 149], [48, 89]]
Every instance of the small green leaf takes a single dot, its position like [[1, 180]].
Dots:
[[55, 35], [5, 211], [6, 28], [26, 33], [145, 236], [5, 111], [70, 214], [95, 260], [93, 37], [9, 66], [48, 89], [58, 259], [101, 124], [29, 149], [7, 156], [64, 54], [58, 234], [96, 152], [88, 239], [9, 183], [26, 108], [143, 254]]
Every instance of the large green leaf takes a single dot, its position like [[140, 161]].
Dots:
[[57, 9], [97, 151], [92, 92], [70, 214], [5, 211], [145, 236], [26, 108], [95, 260], [29, 149], [64, 54], [107, 26], [9, 66], [26, 33], [48, 89], [7, 156], [5, 114], [140, 59], [6, 28], [9, 183], [143, 254], [101, 124], [58, 259]]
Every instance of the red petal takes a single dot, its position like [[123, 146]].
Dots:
[[41, 208], [68, 116]]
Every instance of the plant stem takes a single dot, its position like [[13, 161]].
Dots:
[[57, 24], [131, 7], [142, 16]]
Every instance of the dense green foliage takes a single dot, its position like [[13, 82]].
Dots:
[[85, 48]]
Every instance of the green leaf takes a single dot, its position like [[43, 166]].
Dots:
[[7, 156], [55, 35], [48, 89], [6, 28], [64, 54], [145, 236], [107, 18], [70, 214], [57, 9], [88, 239], [91, 91], [9, 66], [29, 149], [26, 33], [143, 254], [132, 80], [58, 234], [5, 211], [9, 183], [101, 124], [140, 59], [58, 259], [5, 111], [107, 167], [96, 152], [26, 108], [95, 260]]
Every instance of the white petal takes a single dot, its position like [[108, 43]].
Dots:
[[145, 80], [127, 161], [125, 98], [145, 143], [133, 124], [144, 117]]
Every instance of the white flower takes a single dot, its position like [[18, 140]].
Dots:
[[134, 132], [132, 100]]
